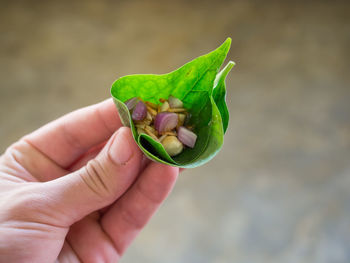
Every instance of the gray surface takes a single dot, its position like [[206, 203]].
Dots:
[[279, 189]]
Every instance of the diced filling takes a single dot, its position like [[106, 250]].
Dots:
[[165, 122]]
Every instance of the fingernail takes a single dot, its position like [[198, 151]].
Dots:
[[121, 150]]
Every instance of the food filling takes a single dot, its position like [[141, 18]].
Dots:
[[165, 122]]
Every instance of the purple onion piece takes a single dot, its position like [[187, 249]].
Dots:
[[131, 103], [165, 121], [139, 112], [175, 102], [186, 136]]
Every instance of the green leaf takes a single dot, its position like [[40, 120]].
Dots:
[[219, 93], [194, 84]]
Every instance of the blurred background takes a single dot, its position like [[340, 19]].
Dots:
[[279, 189]]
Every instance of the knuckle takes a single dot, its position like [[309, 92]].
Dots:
[[132, 217], [14, 157], [25, 203], [14, 150], [96, 178]]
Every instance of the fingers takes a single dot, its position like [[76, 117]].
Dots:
[[90, 239], [97, 184], [68, 137], [86, 157], [131, 212], [90, 242], [67, 254], [92, 153]]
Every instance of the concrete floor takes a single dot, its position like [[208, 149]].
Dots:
[[279, 189]]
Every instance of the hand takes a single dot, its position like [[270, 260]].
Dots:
[[77, 190]]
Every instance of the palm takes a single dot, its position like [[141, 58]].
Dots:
[[48, 220]]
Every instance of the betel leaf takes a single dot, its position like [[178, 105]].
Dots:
[[219, 93], [201, 87]]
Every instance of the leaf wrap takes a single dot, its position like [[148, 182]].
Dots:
[[201, 87]]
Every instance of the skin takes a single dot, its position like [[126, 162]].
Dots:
[[77, 190]]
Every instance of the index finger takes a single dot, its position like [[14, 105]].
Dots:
[[68, 137]]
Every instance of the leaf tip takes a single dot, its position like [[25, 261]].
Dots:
[[229, 66], [227, 43], [231, 63], [224, 47]]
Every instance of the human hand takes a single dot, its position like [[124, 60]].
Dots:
[[77, 191]]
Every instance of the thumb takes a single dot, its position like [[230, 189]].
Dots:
[[99, 183]]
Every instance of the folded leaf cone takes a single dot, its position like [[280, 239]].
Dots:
[[201, 88]]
